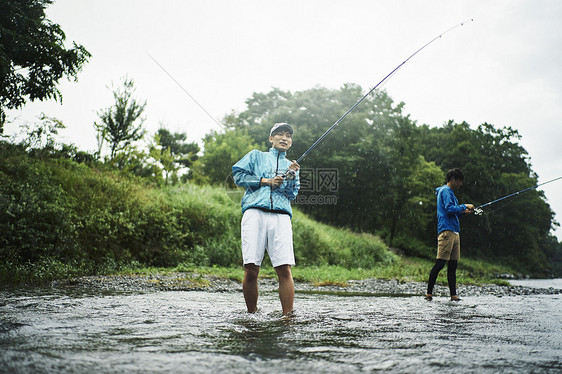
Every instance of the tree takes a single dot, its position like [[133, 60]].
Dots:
[[222, 150], [163, 156], [388, 168], [42, 136], [121, 124], [514, 231], [373, 154], [33, 57], [172, 152], [184, 153]]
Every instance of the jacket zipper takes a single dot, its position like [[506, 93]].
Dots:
[[271, 188]]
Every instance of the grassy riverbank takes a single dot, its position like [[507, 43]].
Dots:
[[62, 219], [406, 269]]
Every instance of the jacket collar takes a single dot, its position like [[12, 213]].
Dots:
[[276, 152]]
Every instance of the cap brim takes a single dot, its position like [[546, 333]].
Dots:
[[282, 128]]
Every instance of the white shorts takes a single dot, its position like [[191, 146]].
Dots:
[[272, 231]]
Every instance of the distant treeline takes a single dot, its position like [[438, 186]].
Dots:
[[388, 167], [64, 211]]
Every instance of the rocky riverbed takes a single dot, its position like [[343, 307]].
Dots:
[[195, 281]]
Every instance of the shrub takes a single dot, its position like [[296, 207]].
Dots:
[[63, 218]]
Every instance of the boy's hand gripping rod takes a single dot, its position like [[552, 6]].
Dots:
[[478, 211], [290, 174]]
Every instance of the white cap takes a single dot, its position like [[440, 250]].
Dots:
[[281, 126]]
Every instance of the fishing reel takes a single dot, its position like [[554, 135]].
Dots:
[[289, 174], [478, 211]]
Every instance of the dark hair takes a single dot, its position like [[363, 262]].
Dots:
[[455, 173]]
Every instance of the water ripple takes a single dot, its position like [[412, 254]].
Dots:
[[65, 331]]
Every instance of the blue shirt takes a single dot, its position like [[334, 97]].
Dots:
[[256, 165], [448, 210]]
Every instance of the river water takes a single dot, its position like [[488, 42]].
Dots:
[[65, 330]]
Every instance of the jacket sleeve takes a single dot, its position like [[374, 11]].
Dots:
[[243, 171], [450, 205]]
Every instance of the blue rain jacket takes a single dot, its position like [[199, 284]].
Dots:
[[448, 210], [256, 165]]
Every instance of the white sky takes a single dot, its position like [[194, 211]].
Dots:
[[504, 68]]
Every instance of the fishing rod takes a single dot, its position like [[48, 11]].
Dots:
[[290, 174], [478, 211]]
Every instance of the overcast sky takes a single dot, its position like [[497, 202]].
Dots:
[[504, 68]]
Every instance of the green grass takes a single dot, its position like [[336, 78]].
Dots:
[[67, 219], [406, 269]]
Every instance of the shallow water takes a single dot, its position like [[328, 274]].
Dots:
[[70, 331], [538, 283]]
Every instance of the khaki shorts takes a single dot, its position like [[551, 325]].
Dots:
[[448, 246]]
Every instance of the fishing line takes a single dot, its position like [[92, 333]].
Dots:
[[290, 174], [478, 211], [184, 90]]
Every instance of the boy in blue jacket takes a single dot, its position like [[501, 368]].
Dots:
[[267, 213], [448, 228]]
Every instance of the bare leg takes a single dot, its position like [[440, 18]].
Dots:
[[286, 288], [250, 286]]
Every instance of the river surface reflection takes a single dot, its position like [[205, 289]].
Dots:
[[77, 331]]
